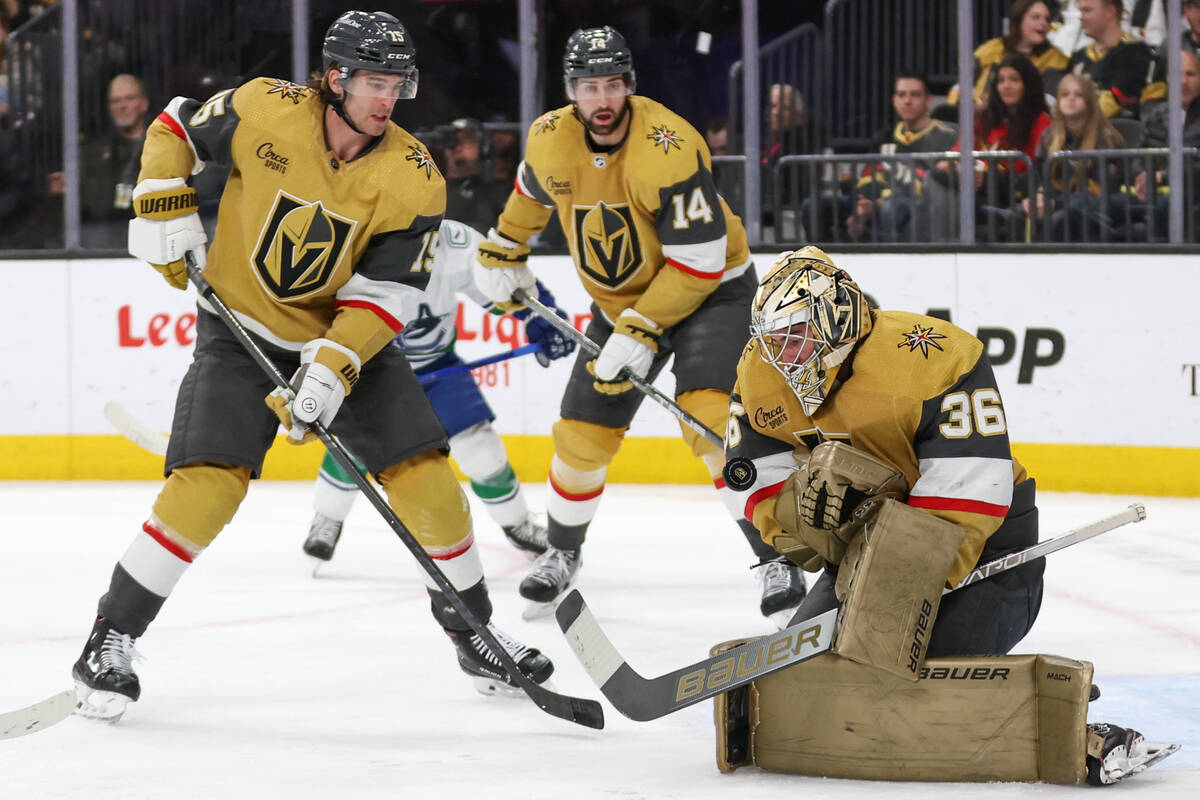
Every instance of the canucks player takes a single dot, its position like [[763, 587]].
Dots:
[[428, 341]]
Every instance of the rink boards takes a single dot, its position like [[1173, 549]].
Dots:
[[1097, 357]]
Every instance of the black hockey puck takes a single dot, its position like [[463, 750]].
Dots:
[[739, 474]]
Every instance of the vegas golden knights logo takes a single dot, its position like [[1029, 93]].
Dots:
[[607, 243], [300, 246]]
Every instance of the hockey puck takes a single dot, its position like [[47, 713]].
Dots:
[[739, 474]]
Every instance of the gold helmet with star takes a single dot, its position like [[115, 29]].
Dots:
[[807, 316]]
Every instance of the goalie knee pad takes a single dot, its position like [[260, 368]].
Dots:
[[1006, 718], [198, 500]]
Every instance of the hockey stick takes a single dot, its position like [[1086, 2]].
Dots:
[[134, 429], [438, 374], [145, 437], [644, 699], [644, 386], [38, 716], [575, 709]]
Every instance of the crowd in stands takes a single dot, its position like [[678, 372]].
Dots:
[[1065, 77]]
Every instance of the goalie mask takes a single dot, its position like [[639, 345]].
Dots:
[[807, 317]]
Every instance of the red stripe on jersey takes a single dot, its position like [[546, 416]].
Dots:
[[709, 276], [521, 190], [958, 504], [456, 552], [764, 493], [393, 323], [719, 482], [160, 537], [578, 498], [173, 124]]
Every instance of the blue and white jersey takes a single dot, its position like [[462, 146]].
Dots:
[[431, 334]]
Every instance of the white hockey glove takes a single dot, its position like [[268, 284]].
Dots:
[[500, 270], [167, 225], [328, 371], [632, 346]]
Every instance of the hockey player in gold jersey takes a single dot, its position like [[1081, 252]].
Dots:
[[322, 246], [873, 446], [667, 266]]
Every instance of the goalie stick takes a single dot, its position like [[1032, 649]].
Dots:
[[642, 385], [574, 709], [145, 437], [645, 699], [38, 716]]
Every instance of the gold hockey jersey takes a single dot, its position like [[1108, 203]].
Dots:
[[918, 393], [302, 237], [644, 223]]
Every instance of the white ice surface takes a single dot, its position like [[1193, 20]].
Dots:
[[263, 682]]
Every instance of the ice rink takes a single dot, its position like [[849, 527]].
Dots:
[[261, 681]]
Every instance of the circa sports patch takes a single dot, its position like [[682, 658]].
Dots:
[[739, 474]]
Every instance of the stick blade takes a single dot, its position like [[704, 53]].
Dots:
[[134, 429], [40, 715]]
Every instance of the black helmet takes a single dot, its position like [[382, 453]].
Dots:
[[596, 51], [376, 41]]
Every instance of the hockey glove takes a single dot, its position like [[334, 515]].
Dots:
[[554, 344], [500, 270], [166, 227], [328, 371], [632, 346]]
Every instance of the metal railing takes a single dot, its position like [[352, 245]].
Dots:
[[911, 197], [1113, 196], [794, 59]]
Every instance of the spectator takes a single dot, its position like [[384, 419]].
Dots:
[[1119, 64], [1150, 187], [790, 131], [1191, 32], [1146, 20], [717, 135], [470, 197], [1075, 191], [1028, 26], [109, 166], [1156, 90], [1015, 119], [505, 149]]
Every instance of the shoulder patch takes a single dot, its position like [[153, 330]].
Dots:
[[422, 159], [546, 122], [287, 90], [664, 137], [922, 338]]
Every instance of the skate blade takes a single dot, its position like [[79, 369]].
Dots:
[[492, 687], [95, 704], [535, 611], [317, 563]]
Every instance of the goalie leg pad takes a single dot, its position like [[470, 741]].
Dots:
[[891, 583], [1024, 720]]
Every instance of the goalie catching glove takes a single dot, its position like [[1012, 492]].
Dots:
[[825, 505], [328, 371], [501, 269], [632, 346], [166, 227]]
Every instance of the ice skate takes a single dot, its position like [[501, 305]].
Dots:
[[783, 589], [529, 536], [105, 682], [1115, 753], [553, 575], [485, 669], [323, 535]]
